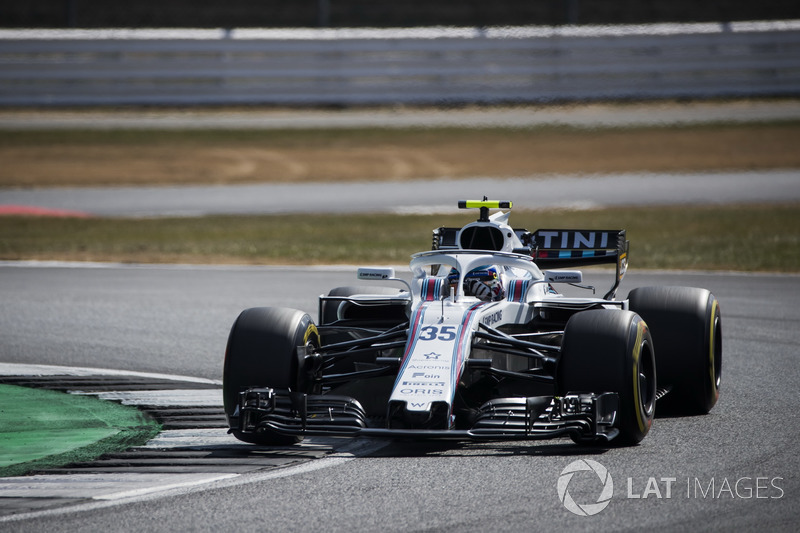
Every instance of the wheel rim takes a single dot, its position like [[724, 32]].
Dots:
[[647, 381], [312, 344], [717, 353]]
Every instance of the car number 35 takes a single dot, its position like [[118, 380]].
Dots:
[[443, 333]]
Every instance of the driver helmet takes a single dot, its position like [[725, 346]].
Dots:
[[482, 282]]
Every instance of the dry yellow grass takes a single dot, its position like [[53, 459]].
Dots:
[[62, 158]]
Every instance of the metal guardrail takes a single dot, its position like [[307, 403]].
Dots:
[[378, 66]]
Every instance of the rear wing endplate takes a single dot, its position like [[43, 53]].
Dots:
[[570, 248]]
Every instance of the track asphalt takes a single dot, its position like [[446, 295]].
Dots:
[[46, 429]]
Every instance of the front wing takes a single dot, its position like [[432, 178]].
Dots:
[[582, 416]]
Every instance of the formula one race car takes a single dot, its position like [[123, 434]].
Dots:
[[478, 345]]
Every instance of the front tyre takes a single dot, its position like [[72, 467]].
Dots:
[[687, 329], [262, 352], [606, 350]]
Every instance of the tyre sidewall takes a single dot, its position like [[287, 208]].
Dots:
[[604, 351], [262, 352], [686, 329]]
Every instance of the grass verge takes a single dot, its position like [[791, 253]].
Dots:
[[43, 429], [738, 237]]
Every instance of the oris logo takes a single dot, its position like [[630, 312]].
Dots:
[[590, 508], [421, 392]]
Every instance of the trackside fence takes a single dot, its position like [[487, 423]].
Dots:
[[390, 66]]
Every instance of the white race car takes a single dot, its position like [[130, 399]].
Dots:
[[479, 344]]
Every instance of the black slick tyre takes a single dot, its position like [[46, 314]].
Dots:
[[338, 309], [687, 331], [333, 310], [262, 352], [606, 350]]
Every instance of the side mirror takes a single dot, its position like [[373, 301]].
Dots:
[[381, 274], [563, 276]]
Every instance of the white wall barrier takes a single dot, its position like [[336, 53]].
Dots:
[[385, 66]]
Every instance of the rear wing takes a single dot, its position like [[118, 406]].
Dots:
[[569, 248]]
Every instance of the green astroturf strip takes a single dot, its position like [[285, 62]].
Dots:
[[46, 429]]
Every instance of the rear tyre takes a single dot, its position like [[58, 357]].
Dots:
[[606, 350], [333, 310], [377, 316], [262, 352], [687, 329]]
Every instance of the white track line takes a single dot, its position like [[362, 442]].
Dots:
[[352, 450], [18, 369], [162, 398], [105, 490]]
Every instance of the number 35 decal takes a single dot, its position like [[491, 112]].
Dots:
[[444, 333]]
